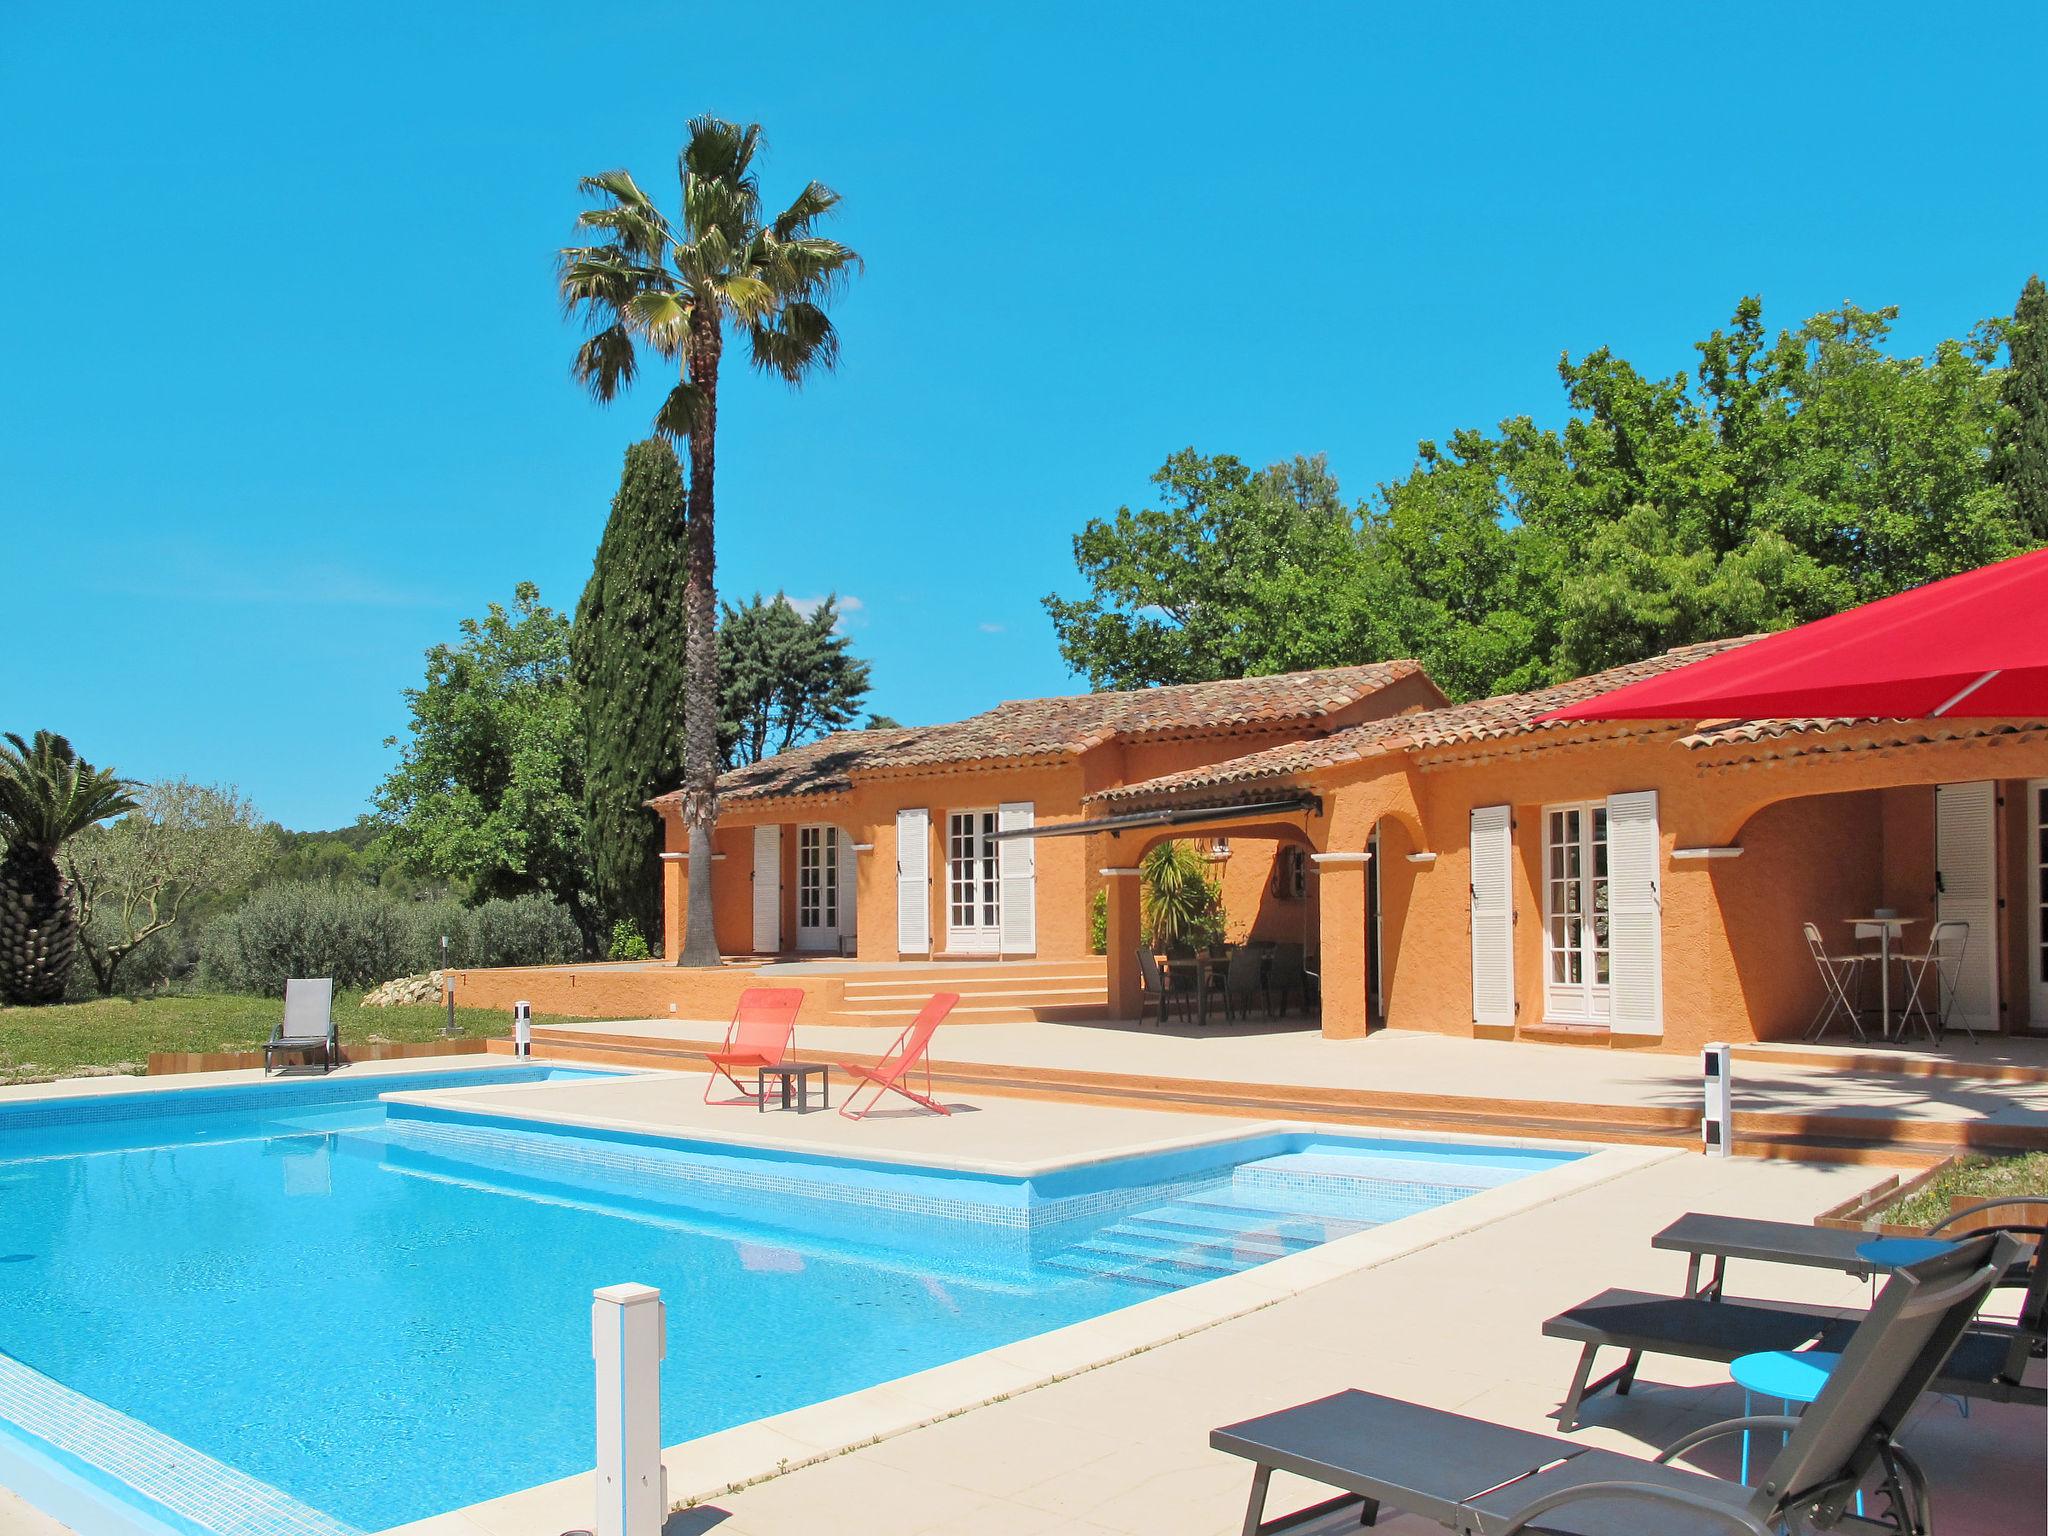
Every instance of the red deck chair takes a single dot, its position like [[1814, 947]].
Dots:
[[913, 1045], [759, 1037]]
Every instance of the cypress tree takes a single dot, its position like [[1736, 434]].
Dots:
[[2023, 437], [627, 658]]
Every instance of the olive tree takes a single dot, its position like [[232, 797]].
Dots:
[[183, 847]]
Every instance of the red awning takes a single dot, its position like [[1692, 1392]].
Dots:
[[1972, 647]]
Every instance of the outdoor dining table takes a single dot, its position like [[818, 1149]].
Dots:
[[1886, 927], [1203, 966]]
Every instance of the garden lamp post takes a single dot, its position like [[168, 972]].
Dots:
[[448, 991]]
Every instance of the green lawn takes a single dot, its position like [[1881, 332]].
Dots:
[[116, 1034], [1981, 1178]]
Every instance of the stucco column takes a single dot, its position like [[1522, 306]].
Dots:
[[1126, 991], [1343, 958], [673, 903]]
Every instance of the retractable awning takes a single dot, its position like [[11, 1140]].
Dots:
[[1171, 816]]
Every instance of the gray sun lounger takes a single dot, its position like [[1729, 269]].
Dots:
[[1481, 1479], [1702, 1235], [307, 1027], [1990, 1361]]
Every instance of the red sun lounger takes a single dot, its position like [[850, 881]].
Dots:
[[759, 1037], [912, 1046]]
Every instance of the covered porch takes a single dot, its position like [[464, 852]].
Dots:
[[1874, 834]]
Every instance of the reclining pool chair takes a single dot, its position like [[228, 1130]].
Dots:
[[1990, 1361], [1481, 1479], [762, 1026], [307, 1028], [910, 1047]]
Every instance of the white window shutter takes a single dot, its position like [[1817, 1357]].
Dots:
[[1966, 888], [913, 882], [1635, 915], [1017, 866], [768, 890], [849, 889], [1493, 915]]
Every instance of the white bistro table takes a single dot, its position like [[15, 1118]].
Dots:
[[1888, 929]]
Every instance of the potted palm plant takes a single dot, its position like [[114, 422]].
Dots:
[[1182, 906]]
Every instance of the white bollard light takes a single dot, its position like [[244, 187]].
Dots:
[[1717, 1125], [628, 1338], [522, 1028]]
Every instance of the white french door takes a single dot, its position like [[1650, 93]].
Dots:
[[1576, 981], [817, 887], [974, 885]]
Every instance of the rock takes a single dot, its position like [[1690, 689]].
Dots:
[[405, 992]]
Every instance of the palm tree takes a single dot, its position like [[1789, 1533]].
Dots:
[[673, 288], [48, 795]]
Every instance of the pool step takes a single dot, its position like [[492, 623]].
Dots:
[[1191, 1240]]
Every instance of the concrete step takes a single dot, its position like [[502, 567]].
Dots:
[[1083, 990], [991, 1013]]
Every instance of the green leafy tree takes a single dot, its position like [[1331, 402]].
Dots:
[[1797, 475], [674, 289], [487, 794], [184, 847], [48, 795], [785, 677], [628, 653], [1229, 575], [2022, 460]]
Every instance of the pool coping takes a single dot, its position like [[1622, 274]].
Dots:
[[116, 1083], [726, 1461], [766, 1140]]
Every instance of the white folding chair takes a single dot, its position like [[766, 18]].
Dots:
[[1941, 971], [1838, 977]]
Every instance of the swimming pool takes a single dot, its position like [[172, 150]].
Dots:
[[349, 1314]]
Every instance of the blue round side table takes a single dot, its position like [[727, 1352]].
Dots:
[[1892, 1252], [1791, 1376]]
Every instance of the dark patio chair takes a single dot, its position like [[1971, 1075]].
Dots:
[[1163, 984], [1286, 977], [1483, 1479], [1243, 979]]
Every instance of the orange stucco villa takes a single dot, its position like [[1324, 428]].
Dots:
[[1434, 859]]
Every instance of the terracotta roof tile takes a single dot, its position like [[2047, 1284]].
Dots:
[[1498, 718], [1855, 734], [1058, 727]]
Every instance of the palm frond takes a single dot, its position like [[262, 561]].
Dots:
[[718, 150], [606, 364], [663, 318], [796, 340], [748, 297], [809, 267], [679, 413], [814, 202], [49, 794], [628, 214], [600, 278]]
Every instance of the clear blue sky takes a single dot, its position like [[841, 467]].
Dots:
[[285, 388]]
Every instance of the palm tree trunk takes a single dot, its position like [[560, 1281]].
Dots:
[[38, 928], [700, 643]]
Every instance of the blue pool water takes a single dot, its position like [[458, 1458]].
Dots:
[[381, 1311]]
